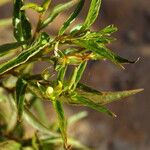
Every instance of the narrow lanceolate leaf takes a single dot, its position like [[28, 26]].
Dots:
[[108, 30], [56, 11], [46, 4], [24, 56], [87, 102], [92, 14], [61, 73], [72, 17], [99, 37], [80, 71], [5, 48], [102, 51], [33, 6], [76, 75], [20, 95], [22, 27], [104, 98], [34, 122], [73, 78], [61, 119]]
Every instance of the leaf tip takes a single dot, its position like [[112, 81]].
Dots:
[[114, 115], [139, 90], [137, 59]]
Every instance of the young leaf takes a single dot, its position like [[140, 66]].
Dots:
[[72, 17], [20, 95], [104, 98], [61, 119], [22, 27], [5, 48], [33, 121], [87, 102], [24, 56], [102, 51], [92, 14], [33, 6], [57, 10]]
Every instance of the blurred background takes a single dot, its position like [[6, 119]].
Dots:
[[131, 129]]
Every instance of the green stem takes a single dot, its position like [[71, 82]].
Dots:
[[62, 121]]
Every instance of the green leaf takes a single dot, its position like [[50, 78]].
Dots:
[[61, 73], [5, 22], [5, 48], [75, 29], [85, 88], [10, 145], [99, 38], [34, 122], [33, 87], [73, 78], [57, 10], [80, 71], [24, 56], [20, 59], [72, 17], [41, 88], [108, 30], [76, 75], [20, 96], [33, 6], [61, 119], [92, 14], [22, 27], [102, 51], [69, 51], [87, 102], [46, 4], [104, 98]]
